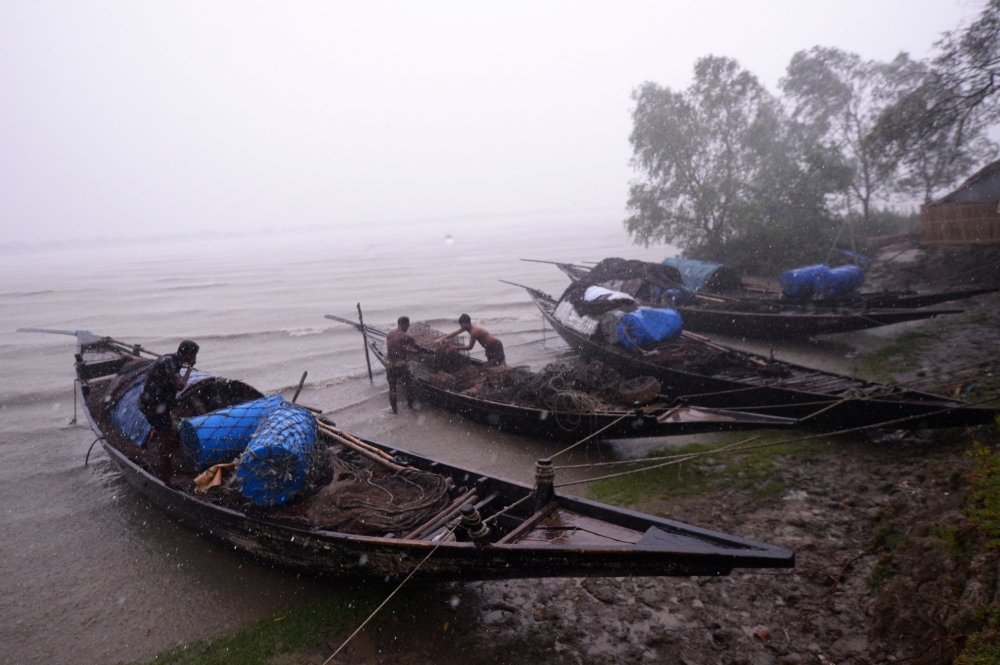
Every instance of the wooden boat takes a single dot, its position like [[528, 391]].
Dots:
[[546, 534], [660, 417], [741, 311], [708, 374]]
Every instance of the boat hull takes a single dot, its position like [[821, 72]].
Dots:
[[894, 408], [298, 546]]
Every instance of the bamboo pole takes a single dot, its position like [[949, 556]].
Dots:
[[395, 468], [357, 442], [364, 336]]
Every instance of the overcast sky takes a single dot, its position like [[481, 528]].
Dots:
[[142, 118]]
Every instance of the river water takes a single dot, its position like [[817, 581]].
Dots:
[[89, 571]]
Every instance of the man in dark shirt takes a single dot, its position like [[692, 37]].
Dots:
[[159, 396], [396, 344]]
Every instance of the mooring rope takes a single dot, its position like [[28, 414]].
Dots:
[[440, 541], [779, 443], [591, 436], [641, 461], [389, 597]]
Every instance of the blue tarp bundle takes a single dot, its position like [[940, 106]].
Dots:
[[821, 279], [841, 280], [802, 282], [273, 468], [221, 436], [129, 419], [646, 325]]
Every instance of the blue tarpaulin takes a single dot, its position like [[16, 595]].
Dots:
[[820, 279], [646, 325], [273, 468], [698, 275], [841, 280], [129, 419]]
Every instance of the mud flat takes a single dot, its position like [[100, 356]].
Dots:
[[896, 536]]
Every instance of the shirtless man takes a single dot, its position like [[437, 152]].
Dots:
[[490, 344], [396, 344]]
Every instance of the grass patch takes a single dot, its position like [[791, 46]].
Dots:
[[981, 531], [900, 355], [310, 625], [753, 470], [881, 573], [983, 646], [979, 318]]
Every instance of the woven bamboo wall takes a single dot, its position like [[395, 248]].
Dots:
[[960, 224]]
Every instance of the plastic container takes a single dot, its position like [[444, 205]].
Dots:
[[646, 325], [221, 436], [273, 468], [838, 281], [803, 282]]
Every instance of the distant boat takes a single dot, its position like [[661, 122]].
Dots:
[[722, 305], [546, 534], [659, 417], [708, 374]]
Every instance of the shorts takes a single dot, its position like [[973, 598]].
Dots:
[[494, 353], [159, 418], [396, 371]]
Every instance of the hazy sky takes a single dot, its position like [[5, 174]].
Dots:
[[139, 118]]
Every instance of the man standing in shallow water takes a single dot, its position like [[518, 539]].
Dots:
[[398, 370], [490, 344]]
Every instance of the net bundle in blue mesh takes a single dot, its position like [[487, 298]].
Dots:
[[647, 324], [129, 419], [221, 436], [274, 467]]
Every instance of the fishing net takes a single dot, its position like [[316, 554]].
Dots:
[[221, 436], [273, 468], [557, 387], [371, 501]]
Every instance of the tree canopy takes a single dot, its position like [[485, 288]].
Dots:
[[729, 172]]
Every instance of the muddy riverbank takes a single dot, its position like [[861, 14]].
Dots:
[[894, 563]]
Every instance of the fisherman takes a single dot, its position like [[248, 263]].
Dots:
[[159, 397], [398, 369], [490, 344]]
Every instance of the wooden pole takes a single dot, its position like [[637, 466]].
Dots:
[[850, 229], [302, 382], [364, 336]]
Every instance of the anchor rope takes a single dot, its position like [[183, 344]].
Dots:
[[778, 443]]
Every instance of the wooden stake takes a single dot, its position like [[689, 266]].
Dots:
[[302, 382], [364, 336]]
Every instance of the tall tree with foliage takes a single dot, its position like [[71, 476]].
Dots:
[[936, 129], [841, 97], [720, 165]]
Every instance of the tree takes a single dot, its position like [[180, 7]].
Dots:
[[936, 128], [725, 174], [841, 97]]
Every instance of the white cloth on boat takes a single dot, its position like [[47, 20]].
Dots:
[[600, 293], [567, 315]]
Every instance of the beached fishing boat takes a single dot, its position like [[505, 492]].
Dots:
[[705, 373], [513, 399], [532, 531], [719, 303]]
